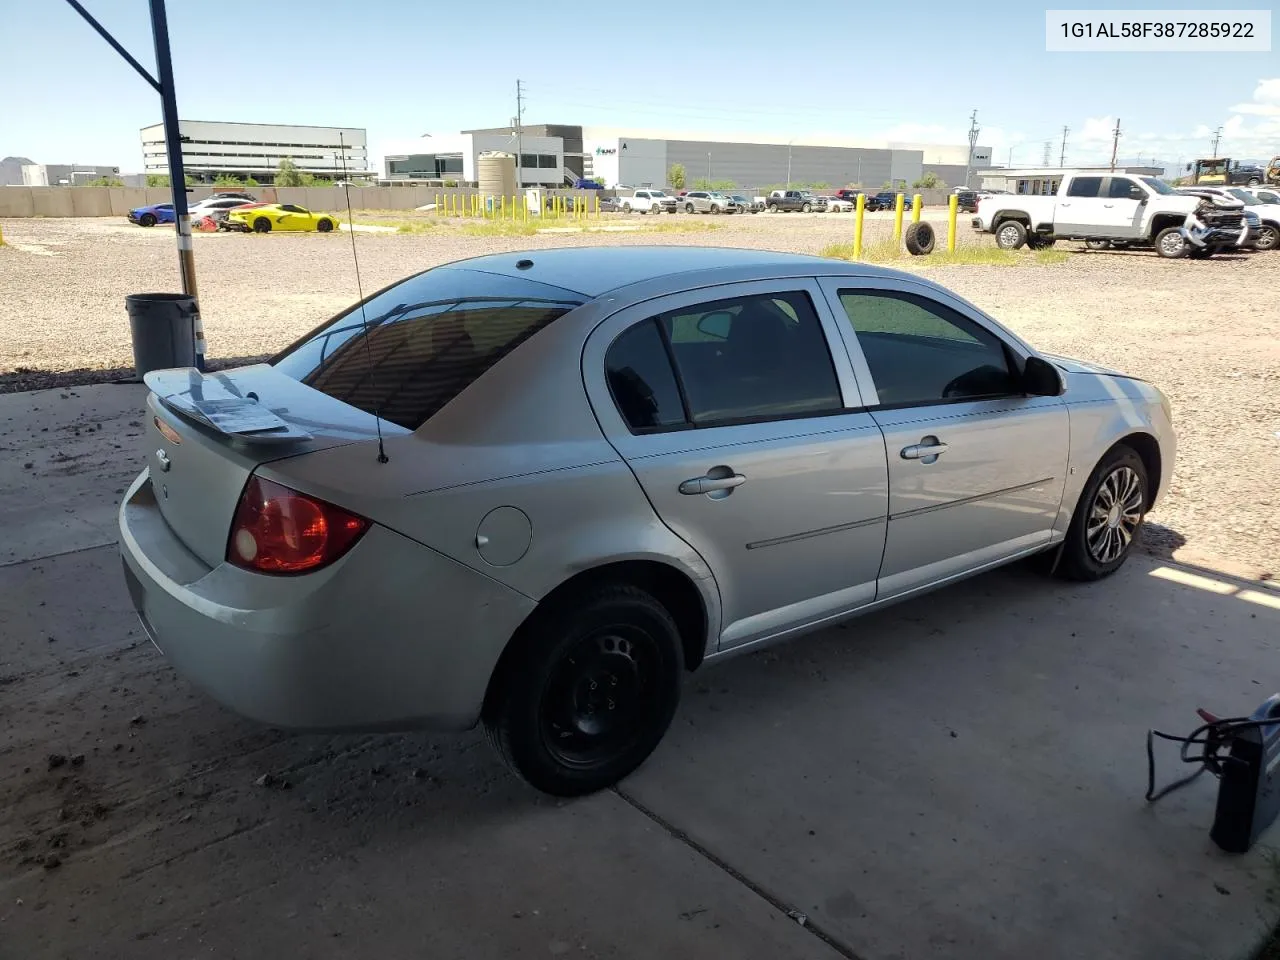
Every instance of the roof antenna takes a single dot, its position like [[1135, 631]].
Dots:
[[364, 319]]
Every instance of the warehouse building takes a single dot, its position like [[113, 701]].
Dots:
[[211, 148], [64, 174], [644, 158]]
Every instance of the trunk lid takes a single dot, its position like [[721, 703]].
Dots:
[[200, 459]]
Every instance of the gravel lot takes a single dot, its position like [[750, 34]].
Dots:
[[1207, 333]]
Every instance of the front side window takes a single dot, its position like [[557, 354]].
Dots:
[[920, 351], [420, 343], [1084, 187], [1122, 188]]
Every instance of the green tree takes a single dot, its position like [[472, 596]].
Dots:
[[930, 181], [162, 180], [675, 176], [702, 183], [105, 182], [601, 180], [250, 182], [227, 180], [288, 174]]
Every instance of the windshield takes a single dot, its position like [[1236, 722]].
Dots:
[[1159, 186], [1239, 194], [656, 193], [429, 338]]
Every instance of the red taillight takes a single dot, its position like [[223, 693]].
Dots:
[[281, 531]]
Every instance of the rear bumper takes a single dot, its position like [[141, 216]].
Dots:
[[392, 636]]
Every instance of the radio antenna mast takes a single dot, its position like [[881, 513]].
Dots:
[[364, 318]]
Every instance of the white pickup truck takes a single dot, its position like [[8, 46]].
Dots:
[[1114, 209]]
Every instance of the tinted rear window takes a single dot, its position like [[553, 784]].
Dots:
[[429, 338]]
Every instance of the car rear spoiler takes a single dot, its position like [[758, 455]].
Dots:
[[214, 401]]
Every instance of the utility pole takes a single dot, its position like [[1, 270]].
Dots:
[[1217, 136], [1062, 157], [789, 143], [973, 139], [1115, 143], [519, 135]]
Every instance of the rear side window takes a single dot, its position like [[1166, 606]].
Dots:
[[738, 360], [429, 338], [1084, 187], [641, 380]]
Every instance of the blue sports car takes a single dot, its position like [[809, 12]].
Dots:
[[151, 215]]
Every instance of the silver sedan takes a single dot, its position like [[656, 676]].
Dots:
[[534, 490]]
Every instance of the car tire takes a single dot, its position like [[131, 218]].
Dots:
[[919, 239], [1011, 235], [1036, 241], [1268, 237], [626, 208], [1099, 539], [550, 709], [806, 208], [1200, 253], [262, 225], [1171, 244], [655, 209], [324, 225], [688, 208], [1097, 244], [147, 220], [714, 209], [771, 207], [1255, 182]]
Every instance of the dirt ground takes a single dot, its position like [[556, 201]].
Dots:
[[1207, 333]]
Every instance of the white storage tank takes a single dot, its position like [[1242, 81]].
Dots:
[[496, 174]]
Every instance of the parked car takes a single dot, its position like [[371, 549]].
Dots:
[[649, 200], [152, 214], [218, 206], [673, 455], [1266, 195], [848, 193], [789, 201], [278, 216], [744, 204], [888, 200], [1114, 209], [232, 195], [706, 201], [838, 204], [610, 205], [1264, 219], [581, 184], [967, 201]]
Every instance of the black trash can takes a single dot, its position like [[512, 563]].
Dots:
[[163, 327]]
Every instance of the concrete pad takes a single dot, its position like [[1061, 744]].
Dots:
[[66, 456], [356, 847], [963, 776]]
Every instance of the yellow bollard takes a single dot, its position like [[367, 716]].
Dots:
[[597, 206], [898, 204], [916, 204], [859, 213], [502, 208], [952, 203], [524, 208], [437, 209]]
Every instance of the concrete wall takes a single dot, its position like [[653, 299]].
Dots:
[[118, 201]]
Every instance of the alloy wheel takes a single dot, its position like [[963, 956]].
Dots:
[[1114, 515]]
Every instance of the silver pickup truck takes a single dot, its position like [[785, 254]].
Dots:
[[1115, 209]]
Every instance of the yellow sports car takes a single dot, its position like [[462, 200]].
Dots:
[[265, 217]]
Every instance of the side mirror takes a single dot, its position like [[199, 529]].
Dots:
[[1040, 378]]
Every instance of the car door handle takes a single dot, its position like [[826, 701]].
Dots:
[[1108, 205], [697, 485], [920, 451]]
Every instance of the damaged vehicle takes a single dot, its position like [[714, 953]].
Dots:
[[1117, 210]]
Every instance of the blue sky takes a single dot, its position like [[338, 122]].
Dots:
[[398, 71]]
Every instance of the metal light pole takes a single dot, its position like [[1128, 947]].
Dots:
[[708, 168], [163, 85]]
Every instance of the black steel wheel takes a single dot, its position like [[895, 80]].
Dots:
[[147, 220], [262, 225], [588, 691]]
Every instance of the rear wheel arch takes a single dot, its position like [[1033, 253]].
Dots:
[[671, 587], [1005, 216]]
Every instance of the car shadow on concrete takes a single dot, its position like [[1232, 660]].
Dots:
[[962, 772]]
